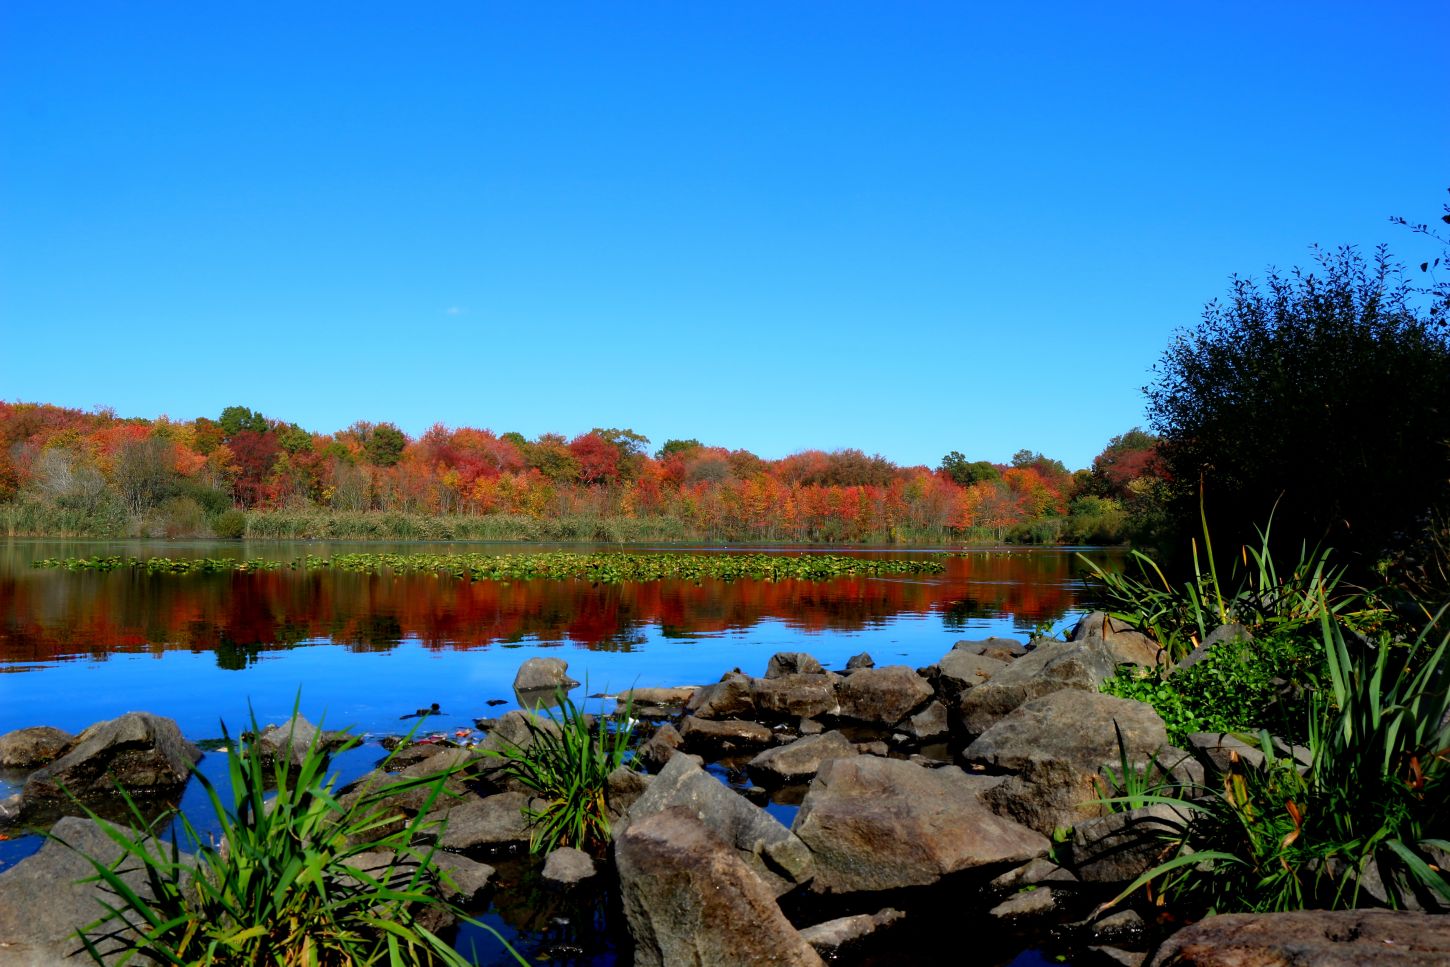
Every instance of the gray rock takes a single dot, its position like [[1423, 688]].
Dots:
[[567, 866], [800, 759], [1116, 956], [857, 662], [660, 747], [540, 674], [463, 880], [809, 727], [654, 702], [492, 823], [140, 752], [830, 938], [929, 723], [622, 789], [1216, 750], [1323, 938], [716, 738], [795, 695], [1057, 744], [961, 670], [1034, 873], [1223, 633], [880, 824], [33, 747], [882, 696], [767, 847], [1051, 667], [1034, 904], [727, 698], [291, 740], [1001, 649], [43, 901], [792, 663], [689, 898], [1124, 926], [515, 731], [1127, 645], [1120, 847]]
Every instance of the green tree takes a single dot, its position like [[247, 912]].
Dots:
[[235, 419], [964, 472], [383, 445], [673, 447]]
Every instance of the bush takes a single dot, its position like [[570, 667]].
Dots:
[[230, 524]]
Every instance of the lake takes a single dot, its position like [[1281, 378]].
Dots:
[[362, 650]]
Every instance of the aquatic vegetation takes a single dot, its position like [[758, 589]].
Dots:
[[599, 568]]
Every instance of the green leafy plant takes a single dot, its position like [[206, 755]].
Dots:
[[566, 764], [294, 878], [1132, 786]]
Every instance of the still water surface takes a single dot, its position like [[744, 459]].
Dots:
[[78, 647]]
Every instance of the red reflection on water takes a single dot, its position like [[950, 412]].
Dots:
[[51, 615]]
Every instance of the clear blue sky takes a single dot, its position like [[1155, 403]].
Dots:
[[904, 227]]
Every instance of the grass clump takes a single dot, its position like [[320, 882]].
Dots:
[[293, 879]]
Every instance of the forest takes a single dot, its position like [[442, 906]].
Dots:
[[71, 473]]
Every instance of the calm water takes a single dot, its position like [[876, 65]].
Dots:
[[365, 649]]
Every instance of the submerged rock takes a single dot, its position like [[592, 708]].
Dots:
[[690, 899]]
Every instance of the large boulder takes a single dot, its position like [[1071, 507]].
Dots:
[[767, 847], [33, 747], [726, 699], [882, 696], [792, 663], [543, 675], [689, 898], [1127, 645], [795, 695], [1341, 938], [141, 753], [960, 670], [881, 824], [43, 899], [1050, 667], [1057, 746], [1120, 847], [800, 759]]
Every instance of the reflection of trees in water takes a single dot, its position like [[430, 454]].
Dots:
[[48, 615]]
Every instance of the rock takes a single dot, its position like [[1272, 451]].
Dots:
[[544, 674], [1229, 632], [566, 867], [800, 760], [140, 752], [654, 702], [795, 696], [1033, 873], [792, 663], [660, 747], [1127, 645], [727, 698], [723, 737], [1057, 744], [880, 824], [33, 747], [929, 723], [1114, 957], [43, 901], [1097, 624], [1026, 905], [492, 823], [809, 727], [514, 731], [403, 756], [882, 696], [1120, 847], [1125, 926], [1343, 938], [292, 739], [1001, 649], [622, 789], [689, 898], [857, 662], [1216, 750], [767, 847], [1049, 668], [830, 938], [464, 880], [961, 670]]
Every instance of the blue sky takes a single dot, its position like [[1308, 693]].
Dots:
[[904, 227]]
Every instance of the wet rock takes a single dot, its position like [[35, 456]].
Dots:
[[929, 723], [961, 670], [1124, 926], [43, 899], [1051, 667], [689, 898], [1344, 938], [800, 760], [795, 695], [654, 702], [33, 747], [660, 747], [140, 752], [1000, 649], [1057, 744], [1223, 633], [767, 847], [725, 737], [1034, 904], [792, 663], [1120, 847], [881, 824], [882, 696], [830, 938], [539, 674], [403, 756], [567, 867], [727, 698], [291, 740], [1034, 873], [492, 823], [857, 662], [463, 880]]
